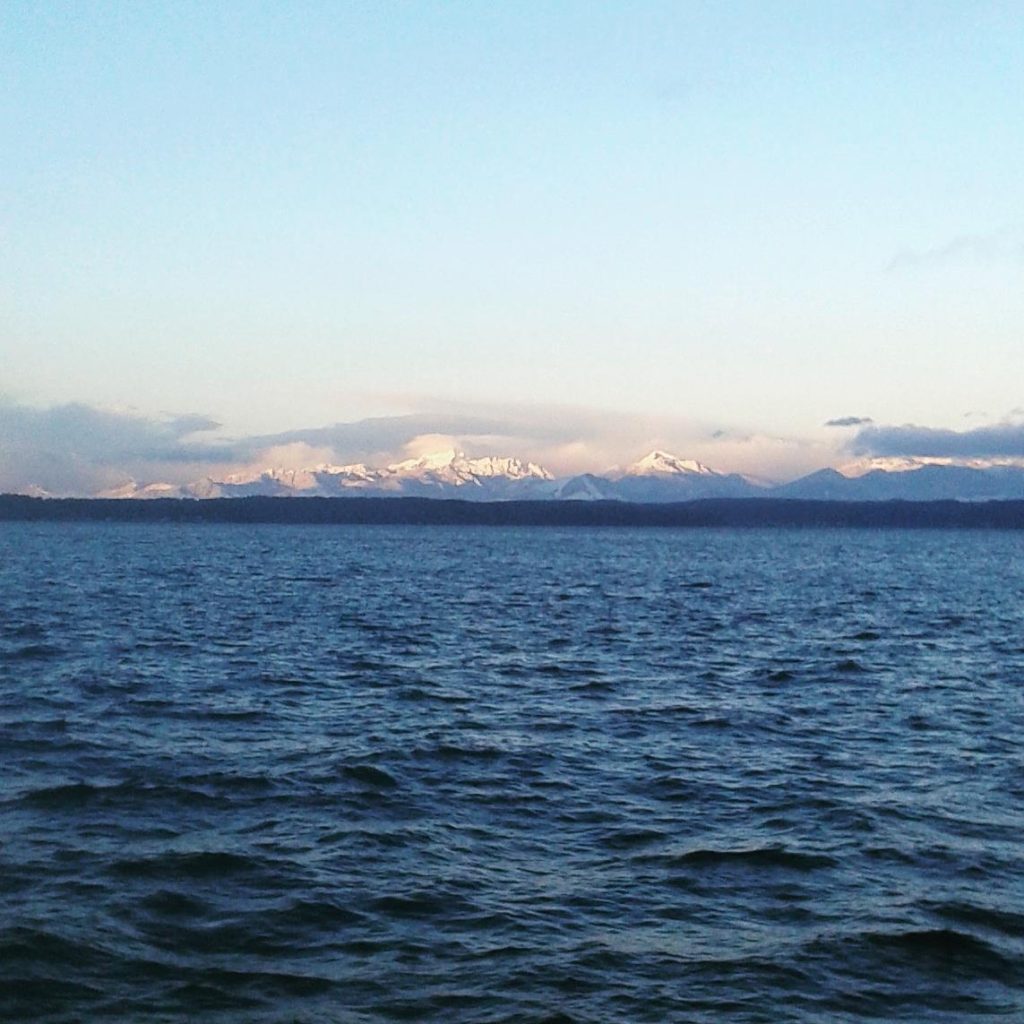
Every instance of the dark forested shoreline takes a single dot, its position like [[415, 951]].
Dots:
[[740, 512]]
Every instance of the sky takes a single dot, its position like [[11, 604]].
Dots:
[[568, 231]]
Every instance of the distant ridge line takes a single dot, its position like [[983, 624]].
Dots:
[[703, 512]]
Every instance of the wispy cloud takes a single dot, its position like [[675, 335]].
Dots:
[[964, 250], [849, 421]]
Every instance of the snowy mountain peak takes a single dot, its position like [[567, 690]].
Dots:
[[356, 469], [131, 489], [293, 479], [910, 464], [35, 491], [431, 462], [454, 467], [659, 463], [513, 469], [658, 477]]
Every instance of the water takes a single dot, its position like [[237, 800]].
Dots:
[[365, 774]]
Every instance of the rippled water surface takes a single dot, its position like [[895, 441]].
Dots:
[[362, 774]]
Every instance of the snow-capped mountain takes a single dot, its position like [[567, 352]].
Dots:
[[585, 487], [158, 489], [35, 491], [267, 481], [340, 480], [439, 474], [657, 477], [444, 471], [926, 482], [907, 463], [659, 463], [660, 476]]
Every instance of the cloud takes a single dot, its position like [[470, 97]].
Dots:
[[849, 421], [361, 439], [1002, 440], [99, 433], [81, 449], [978, 250], [595, 438], [77, 448]]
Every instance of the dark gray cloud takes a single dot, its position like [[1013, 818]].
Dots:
[[79, 448], [1003, 440], [93, 433], [98, 431], [849, 421]]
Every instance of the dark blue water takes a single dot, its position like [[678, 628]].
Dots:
[[364, 774]]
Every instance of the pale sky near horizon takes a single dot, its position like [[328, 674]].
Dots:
[[718, 225]]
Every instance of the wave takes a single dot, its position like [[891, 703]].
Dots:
[[756, 857], [40, 946], [629, 838], [422, 904], [73, 796], [1009, 922], [454, 752], [33, 652], [939, 942], [204, 864], [938, 952], [849, 666], [370, 775]]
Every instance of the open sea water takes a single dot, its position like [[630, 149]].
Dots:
[[319, 774]]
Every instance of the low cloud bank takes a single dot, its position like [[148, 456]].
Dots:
[[1002, 440], [93, 433], [78, 449]]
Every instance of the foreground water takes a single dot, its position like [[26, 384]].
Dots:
[[363, 774]]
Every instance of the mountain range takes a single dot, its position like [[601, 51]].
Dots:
[[657, 477]]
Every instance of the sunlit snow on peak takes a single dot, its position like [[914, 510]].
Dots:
[[907, 464], [660, 462]]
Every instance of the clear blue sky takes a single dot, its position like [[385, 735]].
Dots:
[[751, 217]]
